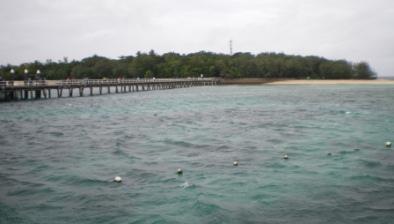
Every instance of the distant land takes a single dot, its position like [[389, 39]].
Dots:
[[200, 64], [385, 77]]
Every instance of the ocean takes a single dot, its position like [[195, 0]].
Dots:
[[59, 157]]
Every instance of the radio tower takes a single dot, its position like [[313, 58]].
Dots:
[[231, 47]]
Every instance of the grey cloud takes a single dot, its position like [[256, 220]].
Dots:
[[336, 29]]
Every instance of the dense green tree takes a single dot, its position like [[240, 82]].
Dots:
[[238, 65], [336, 70], [363, 71], [171, 65], [149, 74]]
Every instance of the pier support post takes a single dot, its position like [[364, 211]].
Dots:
[[59, 92], [26, 93], [38, 94], [15, 95]]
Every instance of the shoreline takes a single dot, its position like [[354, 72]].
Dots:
[[257, 81], [334, 82]]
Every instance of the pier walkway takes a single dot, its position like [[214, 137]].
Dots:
[[23, 90]]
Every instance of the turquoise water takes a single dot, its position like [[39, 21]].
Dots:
[[58, 157]]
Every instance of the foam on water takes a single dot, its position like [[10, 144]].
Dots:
[[58, 157], [186, 185]]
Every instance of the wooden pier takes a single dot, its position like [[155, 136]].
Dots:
[[20, 90]]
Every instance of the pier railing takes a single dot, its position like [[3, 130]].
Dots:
[[35, 89], [86, 82]]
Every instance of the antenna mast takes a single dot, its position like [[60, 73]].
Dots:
[[231, 47]]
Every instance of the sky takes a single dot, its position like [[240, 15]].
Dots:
[[354, 30]]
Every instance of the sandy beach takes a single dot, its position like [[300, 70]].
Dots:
[[328, 82]]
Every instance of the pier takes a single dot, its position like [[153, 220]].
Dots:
[[38, 89]]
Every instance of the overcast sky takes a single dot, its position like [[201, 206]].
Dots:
[[354, 30]]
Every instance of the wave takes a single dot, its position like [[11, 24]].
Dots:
[[184, 144], [371, 178], [186, 185], [371, 164], [13, 214], [76, 181]]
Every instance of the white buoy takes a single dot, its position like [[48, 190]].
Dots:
[[328, 153], [285, 157], [235, 163], [388, 144], [180, 171], [118, 179], [356, 149]]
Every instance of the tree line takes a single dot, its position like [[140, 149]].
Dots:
[[208, 64]]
